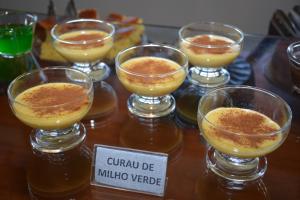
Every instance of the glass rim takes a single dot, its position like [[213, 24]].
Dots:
[[272, 133], [119, 65], [238, 42], [33, 17], [13, 99], [290, 51], [56, 37]]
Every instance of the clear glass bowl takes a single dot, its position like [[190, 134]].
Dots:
[[16, 33], [151, 72], [242, 124], [210, 47], [53, 101], [293, 52], [85, 42]]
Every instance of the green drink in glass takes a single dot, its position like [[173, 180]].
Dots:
[[16, 33], [16, 38]]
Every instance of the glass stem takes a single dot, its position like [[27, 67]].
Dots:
[[57, 140], [238, 165]]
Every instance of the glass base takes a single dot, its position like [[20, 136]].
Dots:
[[55, 141], [96, 71], [104, 107], [57, 175], [235, 169], [158, 135], [151, 107], [225, 189], [208, 77], [60, 163], [105, 101]]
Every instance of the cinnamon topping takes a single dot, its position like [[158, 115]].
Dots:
[[250, 125], [153, 67], [149, 67], [53, 100], [207, 40], [84, 37]]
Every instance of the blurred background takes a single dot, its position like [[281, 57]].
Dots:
[[252, 16]]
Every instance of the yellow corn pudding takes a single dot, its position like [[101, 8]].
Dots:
[[211, 51], [151, 76], [240, 132], [52, 105], [84, 45]]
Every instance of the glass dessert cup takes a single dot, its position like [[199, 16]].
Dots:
[[16, 38], [16, 33], [293, 52], [151, 72], [210, 47], [53, 101], [85, 42], [242, 124]]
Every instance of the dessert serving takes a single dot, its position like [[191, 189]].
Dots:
[[53, 101], [210, 47], [85, 42], [83, 45], [251, 130], [129, 32], [242, 124], [162, 76], [151, 72], [52, 105], [222, 52]]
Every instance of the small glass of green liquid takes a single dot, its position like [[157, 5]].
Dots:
[[16, 33]]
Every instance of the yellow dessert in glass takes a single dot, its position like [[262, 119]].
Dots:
[[210, 47], [52, 105], [242, 124], [85, 43], [214, 57], [83, 46], [151, 72], [53, 101], [241, 132], [151, 76]]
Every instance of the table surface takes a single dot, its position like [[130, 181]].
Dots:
[[188, 177]]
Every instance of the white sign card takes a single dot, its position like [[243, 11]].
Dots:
[[130, 169]]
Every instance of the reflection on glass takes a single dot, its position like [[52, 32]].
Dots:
[[85, 42], [52, 103], [151, 134], [151, 72], [209, 186], [59, 175], [242, 124], [104, 105], [210, 47], [187, 100], [188, 95]]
